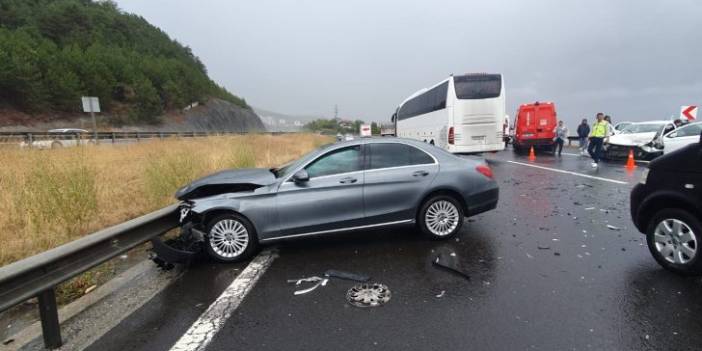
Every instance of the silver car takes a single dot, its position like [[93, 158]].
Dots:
[[354, 185]]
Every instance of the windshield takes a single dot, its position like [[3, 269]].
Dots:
[[478, 86], [643, 128]]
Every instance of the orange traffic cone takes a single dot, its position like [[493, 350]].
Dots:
[[630, 163], [532, 155]]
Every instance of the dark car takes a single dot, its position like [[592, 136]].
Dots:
[[352, 185], [667, 207]]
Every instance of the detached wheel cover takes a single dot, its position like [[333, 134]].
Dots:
[[228, 238], [675, 241]]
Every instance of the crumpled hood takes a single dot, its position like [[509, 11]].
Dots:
[[231, 180], [634, 139]]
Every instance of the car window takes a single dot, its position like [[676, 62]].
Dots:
[[386, 155], [691, 130], [338, 161]]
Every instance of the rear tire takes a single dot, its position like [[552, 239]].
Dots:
[[440, 217], [230, 238], [673, 238]]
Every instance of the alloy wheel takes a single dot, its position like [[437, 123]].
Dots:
[[675, 241], [229, 238], [441, 218]]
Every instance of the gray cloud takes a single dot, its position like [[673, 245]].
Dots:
[[632, 59]]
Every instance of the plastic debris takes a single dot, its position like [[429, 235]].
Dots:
[[441, 294], [589, 208], [543, 247], [612, 227], [319, 282], [333, 273], [450, 268], [90, 288]]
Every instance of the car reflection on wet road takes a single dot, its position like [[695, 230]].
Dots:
[[557, 266]]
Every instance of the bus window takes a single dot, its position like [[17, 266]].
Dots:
[[478, 86]]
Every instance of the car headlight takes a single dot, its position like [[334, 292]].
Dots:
[[644, 176]]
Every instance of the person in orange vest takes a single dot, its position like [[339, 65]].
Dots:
[[600, 130]]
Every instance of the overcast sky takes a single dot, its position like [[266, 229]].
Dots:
[[634, 60]]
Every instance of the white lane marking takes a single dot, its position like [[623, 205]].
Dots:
[[211, 321], [588, 156], [568, 172]]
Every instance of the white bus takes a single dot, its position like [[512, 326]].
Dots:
[[462, 114]]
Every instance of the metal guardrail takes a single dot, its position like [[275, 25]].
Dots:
[[113, 137], [38, 276]]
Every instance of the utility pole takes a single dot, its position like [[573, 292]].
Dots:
[[336, 111]]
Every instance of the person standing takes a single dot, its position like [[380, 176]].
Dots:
[[561, 132], [583, 132], [610, 128], [600, 130]]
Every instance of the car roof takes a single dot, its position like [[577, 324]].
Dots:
[[653, 122]]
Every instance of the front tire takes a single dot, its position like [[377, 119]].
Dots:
[[440, 217], [230, 238], [673, 237]]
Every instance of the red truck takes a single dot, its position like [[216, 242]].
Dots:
[[534, 126]]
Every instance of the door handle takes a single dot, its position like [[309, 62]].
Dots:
[[348, 180], [420, 174]]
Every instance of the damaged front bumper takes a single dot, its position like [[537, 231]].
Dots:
[[182, 249]]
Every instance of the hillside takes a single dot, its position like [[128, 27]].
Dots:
[[52, 52]]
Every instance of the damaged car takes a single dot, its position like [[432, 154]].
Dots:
[[347, 186], [643, 138]]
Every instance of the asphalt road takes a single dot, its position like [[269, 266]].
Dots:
[[546, 273]]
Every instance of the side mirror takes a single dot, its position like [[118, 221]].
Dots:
[[301, 176]]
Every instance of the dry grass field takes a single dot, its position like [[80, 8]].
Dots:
[[50, 197]]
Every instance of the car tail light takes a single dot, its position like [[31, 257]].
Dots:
[[485, 170], [451, 136]]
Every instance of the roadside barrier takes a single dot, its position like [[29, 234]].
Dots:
[[38, 276]]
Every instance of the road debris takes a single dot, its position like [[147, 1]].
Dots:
[[589, 208], [441, 294], [613, 227], [368, 295], [315, 279], [450, 268], [333, 273], [90, 288], [544, 247]]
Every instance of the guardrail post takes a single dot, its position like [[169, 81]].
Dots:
[[30, 139], [113, 137], [137, 136], [49, 319]]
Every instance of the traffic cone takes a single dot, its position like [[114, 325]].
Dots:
[[630, 163], [532, 155]]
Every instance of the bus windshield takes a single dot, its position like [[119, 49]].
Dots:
[[478, 86]]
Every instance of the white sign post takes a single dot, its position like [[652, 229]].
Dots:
[[92, 104], [688, 112]]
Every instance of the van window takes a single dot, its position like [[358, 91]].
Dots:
[[478, 86]]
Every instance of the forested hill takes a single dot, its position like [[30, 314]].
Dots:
[[52, 52]]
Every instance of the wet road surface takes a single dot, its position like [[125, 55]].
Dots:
[[546, 273]]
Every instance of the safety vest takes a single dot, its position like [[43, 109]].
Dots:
[[599, 130]]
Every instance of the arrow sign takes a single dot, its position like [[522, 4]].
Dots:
[[688, 112]]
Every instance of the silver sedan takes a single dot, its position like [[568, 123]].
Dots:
[[353, 185]]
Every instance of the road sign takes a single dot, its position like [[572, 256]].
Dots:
[[91, 104], [688, 112]]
